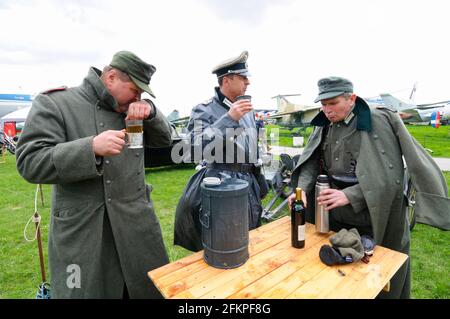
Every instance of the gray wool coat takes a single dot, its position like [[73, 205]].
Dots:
[[380, 173], [103, 230], [213, 115]]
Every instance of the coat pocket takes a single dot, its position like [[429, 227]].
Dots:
[[68, 212]]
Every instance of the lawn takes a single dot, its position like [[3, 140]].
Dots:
[[437, 141], [19, 260]]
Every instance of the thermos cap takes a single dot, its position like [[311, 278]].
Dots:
[[323, 179]]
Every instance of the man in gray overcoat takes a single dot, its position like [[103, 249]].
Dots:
[[104, 235], [362, 151], [223, 136]]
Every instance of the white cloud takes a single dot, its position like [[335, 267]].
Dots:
[[381, 46]]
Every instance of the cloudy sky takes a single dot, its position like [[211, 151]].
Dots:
[[382, 46]]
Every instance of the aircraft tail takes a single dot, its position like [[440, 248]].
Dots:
[[412, 96]]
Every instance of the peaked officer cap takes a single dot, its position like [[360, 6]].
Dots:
[[237, 65]]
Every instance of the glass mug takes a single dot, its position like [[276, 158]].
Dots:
[[135, 133]]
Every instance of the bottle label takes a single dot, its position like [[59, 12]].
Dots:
[[301, 232]]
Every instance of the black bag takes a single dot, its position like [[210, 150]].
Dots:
[[188, 230], [263, 186]]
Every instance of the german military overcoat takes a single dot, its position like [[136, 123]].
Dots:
[[103, 231], [380, 172]]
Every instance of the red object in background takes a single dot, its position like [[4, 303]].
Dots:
[[9, 128]]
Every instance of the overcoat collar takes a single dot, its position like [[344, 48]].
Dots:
[[92, 83], [222, 99]]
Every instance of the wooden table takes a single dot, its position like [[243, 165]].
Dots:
[[276, 270]]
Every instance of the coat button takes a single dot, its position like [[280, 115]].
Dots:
[[109, 200], [398, 182], [107, 162], [101, 124], [391, 166], [137, 154], [375, 136], [336, 159], [108, 182], [98, 107]]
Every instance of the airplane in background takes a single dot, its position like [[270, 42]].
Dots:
[[12, 102], [291, 115], [438, 112], [175, 119]]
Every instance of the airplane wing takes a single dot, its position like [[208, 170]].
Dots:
[[306, 109], [432, 105]]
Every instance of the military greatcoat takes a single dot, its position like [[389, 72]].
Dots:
[[384, 139], [103, 231]]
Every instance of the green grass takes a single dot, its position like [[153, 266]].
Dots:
[[285, 136], [19, 260], [436, 140]]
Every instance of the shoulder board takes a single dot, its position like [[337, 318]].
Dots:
[[61, 88], [382, 107], [208, 101]]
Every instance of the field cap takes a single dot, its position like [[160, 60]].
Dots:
[[139, 71], [333, 86], [237, 65]]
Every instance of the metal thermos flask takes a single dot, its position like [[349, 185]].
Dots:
[[322, 217]]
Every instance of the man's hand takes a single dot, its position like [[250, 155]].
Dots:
[[291, 199], [139, 110], [332, 198], [109, 143], [239, 109]]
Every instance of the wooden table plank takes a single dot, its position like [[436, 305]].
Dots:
[[265, 259], [199, 272], [277, 270], [255, 269], [298, 259], [256, 235], [178, 270]]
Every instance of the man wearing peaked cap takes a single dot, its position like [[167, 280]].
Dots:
[[237, 65], [362, 150], [210, 122], [103, 220]]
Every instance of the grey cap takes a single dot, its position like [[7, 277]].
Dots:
[[348, 243], [333, 86], [139, 71], [236, 65]]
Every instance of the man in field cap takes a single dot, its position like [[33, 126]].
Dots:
[[361, 149], [139, 71], [103, 225], [333, 86], [227, 110]]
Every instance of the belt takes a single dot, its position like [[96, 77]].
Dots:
[[242, 168]]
